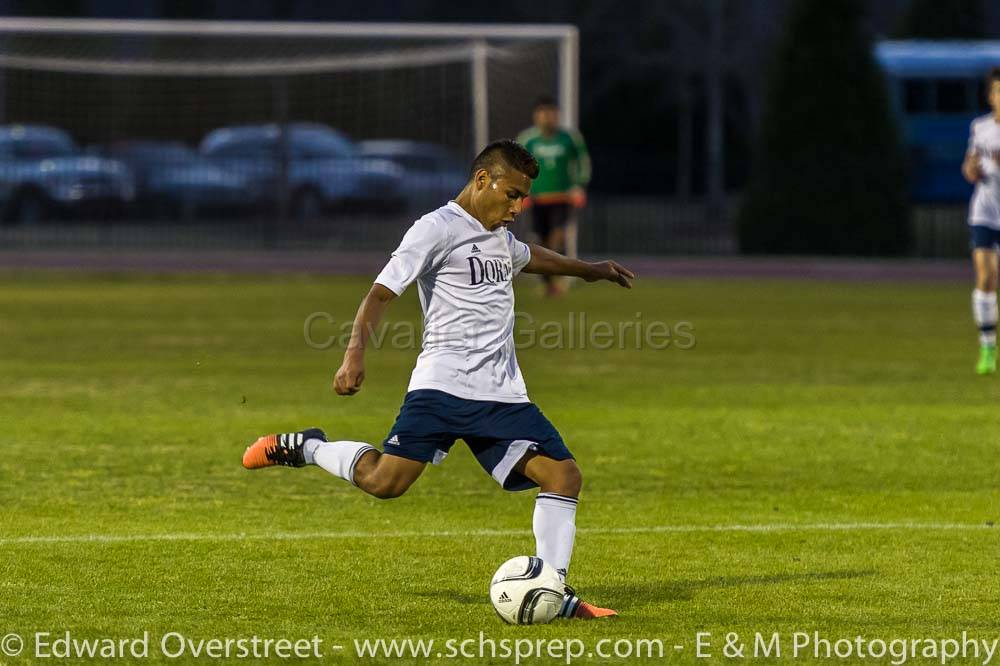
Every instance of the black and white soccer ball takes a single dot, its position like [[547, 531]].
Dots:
[[526, 590]]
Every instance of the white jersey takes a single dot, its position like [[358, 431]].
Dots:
[[984, 141], [464, 275]]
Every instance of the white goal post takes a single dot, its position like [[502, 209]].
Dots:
[[403, 45]]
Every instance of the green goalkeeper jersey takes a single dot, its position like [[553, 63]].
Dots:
[[563, 163]]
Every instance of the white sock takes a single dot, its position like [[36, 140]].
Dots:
[[984, 311], [554, 524], [338, 458]]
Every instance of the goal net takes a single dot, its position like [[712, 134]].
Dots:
[[305, 117]]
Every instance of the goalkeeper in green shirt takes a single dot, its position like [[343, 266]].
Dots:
[[558, 191]]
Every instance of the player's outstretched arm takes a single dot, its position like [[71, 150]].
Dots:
[[352, 371], [546, 262]]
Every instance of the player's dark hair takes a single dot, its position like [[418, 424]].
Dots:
[[505, 152], [991, 76], [545, 102]]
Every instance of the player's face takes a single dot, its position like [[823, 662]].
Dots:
[[547, 118], [498, 199], [994, 96]]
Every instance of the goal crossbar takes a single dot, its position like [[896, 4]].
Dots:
[[473, 45], [289, 29], [395, 59]]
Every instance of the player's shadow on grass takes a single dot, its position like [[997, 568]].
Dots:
[[684, 590]]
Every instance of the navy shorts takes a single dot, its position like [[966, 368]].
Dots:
[[498, 433], [983, 237]]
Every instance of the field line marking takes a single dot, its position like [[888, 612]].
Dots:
[[444, 534]]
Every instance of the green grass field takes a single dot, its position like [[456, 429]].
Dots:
[[842, 422]]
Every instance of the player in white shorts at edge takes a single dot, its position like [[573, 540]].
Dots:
[[981, 167]]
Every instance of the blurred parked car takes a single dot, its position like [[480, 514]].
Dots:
[[325, 170], [433, 174], [174, 181], [43, 175]]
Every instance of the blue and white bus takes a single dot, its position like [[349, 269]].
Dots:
[[937, 88]]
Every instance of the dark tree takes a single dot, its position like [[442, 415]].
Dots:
[[933, 19], [828, 172]]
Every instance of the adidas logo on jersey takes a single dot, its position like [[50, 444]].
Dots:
[[394, 440], [475, 248], [504, 599]]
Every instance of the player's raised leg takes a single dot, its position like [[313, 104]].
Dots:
[[386, 476], [984, 307], [554, 522], [358, 463]]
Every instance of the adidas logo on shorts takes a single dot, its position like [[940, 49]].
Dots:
[[394, 440]]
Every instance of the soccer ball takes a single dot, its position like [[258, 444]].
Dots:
[[525, 590]]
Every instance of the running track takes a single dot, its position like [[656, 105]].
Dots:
[[368, 263]]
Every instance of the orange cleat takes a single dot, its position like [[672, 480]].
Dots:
[[282, 449], [587, 611], [256, 455], [575, 607]]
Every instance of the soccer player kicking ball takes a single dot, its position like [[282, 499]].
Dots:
[[466, 383], [981, 168]]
